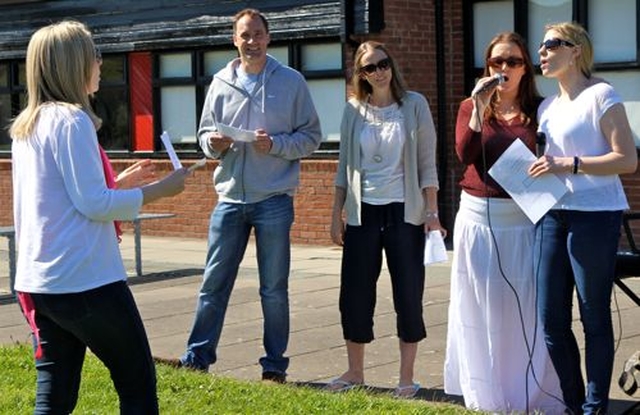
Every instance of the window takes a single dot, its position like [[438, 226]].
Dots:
[[5, 107], [12, 98], [177, 96], [541, 13], [183, 79], [490, 18], [111, 104], [328, 87], [614, 31]]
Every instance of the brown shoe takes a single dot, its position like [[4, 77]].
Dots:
[[168, 361], [176, 364], [276, 377]]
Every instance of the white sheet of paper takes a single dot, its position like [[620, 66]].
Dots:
[[200, 163], [237, 134], [434, 249], [166, 140], [534, 195]]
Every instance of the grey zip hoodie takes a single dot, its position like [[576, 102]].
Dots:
[[281, 105]]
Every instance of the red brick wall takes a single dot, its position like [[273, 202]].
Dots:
[[193, 206], [6, 193]]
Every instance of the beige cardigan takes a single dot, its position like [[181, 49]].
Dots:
[[419, 157]]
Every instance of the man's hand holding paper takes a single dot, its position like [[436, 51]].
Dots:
[[219, 142], [236, 134]]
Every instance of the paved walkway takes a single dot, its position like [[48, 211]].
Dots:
[[166, 297]]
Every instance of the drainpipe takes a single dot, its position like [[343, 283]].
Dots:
[[442, 109]]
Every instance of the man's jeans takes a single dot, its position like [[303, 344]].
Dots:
[[229, 232], [578, 249], [106, 320]]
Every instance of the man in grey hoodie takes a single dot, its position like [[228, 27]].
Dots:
[[255, 182]]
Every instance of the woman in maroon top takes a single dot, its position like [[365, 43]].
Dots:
[[496, 357]]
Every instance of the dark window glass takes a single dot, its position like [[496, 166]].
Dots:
[[111, 104], [5, 116]]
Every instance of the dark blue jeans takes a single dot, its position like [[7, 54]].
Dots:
[[575, 249], [107, 321]]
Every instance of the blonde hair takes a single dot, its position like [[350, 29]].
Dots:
[[59, 66], [577, 35]]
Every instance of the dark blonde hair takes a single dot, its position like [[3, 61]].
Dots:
[[576, 34], [528, 96], [59, 66], [361, 87]]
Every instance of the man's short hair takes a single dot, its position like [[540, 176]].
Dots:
[[252, 13]]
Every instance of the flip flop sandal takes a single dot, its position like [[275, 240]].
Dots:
[[406, 392], [339, 385], [628, 381]]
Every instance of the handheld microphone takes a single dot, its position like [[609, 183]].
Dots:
[[541, 143], [495, 80]]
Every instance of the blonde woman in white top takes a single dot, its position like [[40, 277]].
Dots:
[[589, 143], [70, 280]]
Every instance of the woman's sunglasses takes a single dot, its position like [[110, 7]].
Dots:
[[383, 65], [555, 43], [511, 62]]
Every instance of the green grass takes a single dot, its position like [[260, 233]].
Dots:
[[186, 392]]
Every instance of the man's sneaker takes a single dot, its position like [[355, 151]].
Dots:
[[276, 377]]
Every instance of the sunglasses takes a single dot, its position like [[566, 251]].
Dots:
[[383, 65], [98, 55], [555, 43], [511, 62]]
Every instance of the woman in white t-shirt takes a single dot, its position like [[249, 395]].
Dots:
[[589, 143], [70, 279]]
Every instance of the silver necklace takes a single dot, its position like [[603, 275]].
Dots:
[[376, 126]]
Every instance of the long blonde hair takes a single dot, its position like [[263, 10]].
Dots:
[[59, 66]]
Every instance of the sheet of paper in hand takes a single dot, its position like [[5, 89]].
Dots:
[[534, 195], [166, 140], [237, 134]]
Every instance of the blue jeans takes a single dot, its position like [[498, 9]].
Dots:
[[578, 249], [229, 231], [107, 321]]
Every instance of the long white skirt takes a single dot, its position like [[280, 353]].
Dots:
[[492, 311]]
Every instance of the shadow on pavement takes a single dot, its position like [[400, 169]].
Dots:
[[165, 275]]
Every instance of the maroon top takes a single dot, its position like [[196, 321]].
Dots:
[[496, 136]]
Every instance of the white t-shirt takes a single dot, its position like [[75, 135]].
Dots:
[[63, 210], [573, 129]]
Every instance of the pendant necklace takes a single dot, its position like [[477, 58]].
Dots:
[[376, 126]]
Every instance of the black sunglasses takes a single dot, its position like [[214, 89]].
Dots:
[[511, 62], [555, 43], [383, 65], [98, 54]]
